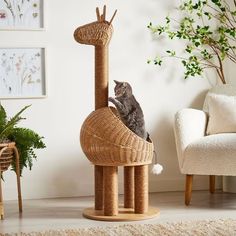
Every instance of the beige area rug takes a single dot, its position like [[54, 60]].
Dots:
[[226, 227]]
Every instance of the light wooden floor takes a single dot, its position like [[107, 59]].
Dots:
[[65, 213]]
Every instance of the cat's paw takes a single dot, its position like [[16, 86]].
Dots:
[[110, 99]]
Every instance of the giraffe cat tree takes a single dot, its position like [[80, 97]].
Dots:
[[108, 143]]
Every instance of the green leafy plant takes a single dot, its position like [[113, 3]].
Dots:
[[209, 29], [26, 139]]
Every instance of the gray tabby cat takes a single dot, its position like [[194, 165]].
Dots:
[[129, 109]]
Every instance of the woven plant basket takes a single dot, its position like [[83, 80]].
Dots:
[[6, 155], [106, 141]]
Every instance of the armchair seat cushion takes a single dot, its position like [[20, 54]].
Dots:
[[211, 155]]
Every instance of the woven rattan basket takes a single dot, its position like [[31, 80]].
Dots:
[[6, 155], [106, 141]]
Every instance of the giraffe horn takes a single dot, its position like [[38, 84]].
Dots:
[[98, 14], [104, 13], [113, 17]]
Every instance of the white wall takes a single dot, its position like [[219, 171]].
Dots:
[[62, 169]]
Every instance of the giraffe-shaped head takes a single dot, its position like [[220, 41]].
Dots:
[[97, 33]]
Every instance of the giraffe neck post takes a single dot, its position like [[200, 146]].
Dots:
[[101, 76]]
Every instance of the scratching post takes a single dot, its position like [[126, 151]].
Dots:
[[110, 190], [101, 76], [108, 143], [101, 100], [129, 187], [98, 190], [141, 189]]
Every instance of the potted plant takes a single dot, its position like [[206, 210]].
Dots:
[[26, 140], [208, 28]]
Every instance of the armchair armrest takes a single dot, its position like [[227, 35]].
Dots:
[[190, 125]]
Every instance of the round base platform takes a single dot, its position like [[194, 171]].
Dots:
[[125, 214]]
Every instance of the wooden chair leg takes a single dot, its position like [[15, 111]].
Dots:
[[188, 189], [19, 192], [212, 183], [18, 179], [1, 199]]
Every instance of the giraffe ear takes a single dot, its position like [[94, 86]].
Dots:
[[104, 13], [117, 82], [98, 14], [113, 17]]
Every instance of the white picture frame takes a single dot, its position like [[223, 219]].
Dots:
[[22, 15], [23, 72]]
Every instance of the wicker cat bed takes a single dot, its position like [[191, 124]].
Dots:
[[106, 141]]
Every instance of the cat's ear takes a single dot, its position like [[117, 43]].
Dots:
[[116, 82]]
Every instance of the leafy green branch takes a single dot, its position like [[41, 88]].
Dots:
[[9, 125], [207, 46]]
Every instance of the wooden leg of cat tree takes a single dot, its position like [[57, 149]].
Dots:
[[212, 183], [110, 178], [129, 187], [110, 212], [98, 181], [1, 200], [141, 189], [18, 179]]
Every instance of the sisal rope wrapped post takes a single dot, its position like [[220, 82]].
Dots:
[[98, 187], [101, 100], [101, 76], [128, 186], [98, 34], [141, 189], [110, 179]]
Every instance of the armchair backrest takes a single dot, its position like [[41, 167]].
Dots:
[[224, 89]]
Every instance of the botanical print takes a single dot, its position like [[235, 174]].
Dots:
[[22, 72], [20, 14]]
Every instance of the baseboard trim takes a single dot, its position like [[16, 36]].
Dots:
[[156, 184], [169, 185]]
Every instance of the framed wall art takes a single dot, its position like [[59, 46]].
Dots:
[[22, 73], [21, 15]]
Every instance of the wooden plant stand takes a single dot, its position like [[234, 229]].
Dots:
[[8, 151], [108, 143]]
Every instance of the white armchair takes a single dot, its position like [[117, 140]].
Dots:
[[201, 154]]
